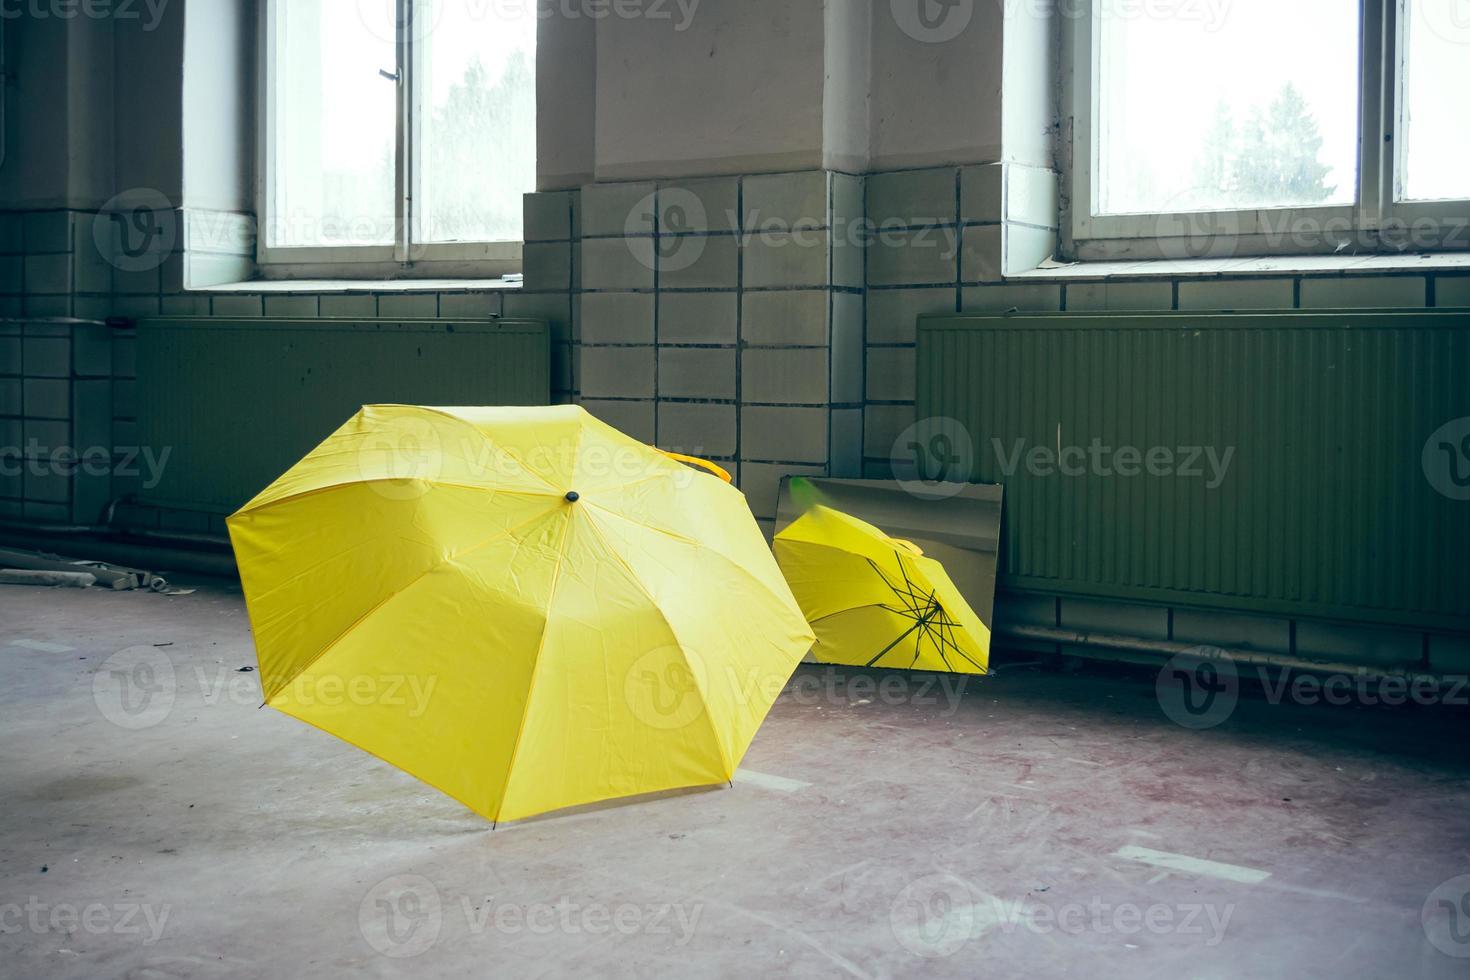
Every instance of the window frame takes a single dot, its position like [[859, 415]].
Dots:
[[1377, 224], [405, 258]]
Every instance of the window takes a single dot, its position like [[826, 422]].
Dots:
[[1259, 127], [399, 135]]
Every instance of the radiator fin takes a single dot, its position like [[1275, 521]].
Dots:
[[237, 402], [1327, 507]]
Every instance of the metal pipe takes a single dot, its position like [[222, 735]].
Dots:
[[1169, 648], [186, 555], [65, 321], [212, 542], [4, 91]]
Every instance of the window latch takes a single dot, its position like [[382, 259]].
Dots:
[[392, 76]]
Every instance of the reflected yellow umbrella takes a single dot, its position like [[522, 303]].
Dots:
[[877, 601], [522, 607]]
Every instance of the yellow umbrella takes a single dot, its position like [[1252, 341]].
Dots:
[[877, 601], [522, 607]]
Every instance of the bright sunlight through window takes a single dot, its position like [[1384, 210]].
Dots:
[[1213, 128], [1228, 109], [400, 122], [1436, 142]]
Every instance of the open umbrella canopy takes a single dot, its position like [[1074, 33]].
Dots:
[[877, 601], [522, 607]]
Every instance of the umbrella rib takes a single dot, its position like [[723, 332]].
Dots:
[[895, 643], [633, 577], [494, 445], [957, 649], [248, 508], [909, 609], [937, 646], [505, 533], [701, 546], [314, 491], [913, 590], [844, 612], [643, 479], [931, 619], [561, 558], [918, 598]]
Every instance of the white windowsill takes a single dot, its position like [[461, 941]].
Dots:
[[361, 286], [1289, 265]]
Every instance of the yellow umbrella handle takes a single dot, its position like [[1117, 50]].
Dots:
[[703, 464]]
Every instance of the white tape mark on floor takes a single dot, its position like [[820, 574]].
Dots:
[[40, 646], [1189, 865], [1316, 892], [779, 783]]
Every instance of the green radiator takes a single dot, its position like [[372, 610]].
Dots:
[[1305, 464], [236, 402]]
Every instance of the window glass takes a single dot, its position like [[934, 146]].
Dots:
[[1435, 132], [476, 119], [335, 118], [1220, 107]]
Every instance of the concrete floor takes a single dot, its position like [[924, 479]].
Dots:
[[1018, 830]]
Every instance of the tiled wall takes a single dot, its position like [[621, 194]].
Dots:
[[56, 379], [892, 310], [719, 317], [951, 246], [965, 245], [68, 432], [764, 321]]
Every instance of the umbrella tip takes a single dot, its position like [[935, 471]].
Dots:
[[573, 496]]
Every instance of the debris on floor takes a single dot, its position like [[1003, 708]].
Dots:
[[65, 580], [72, 572]]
